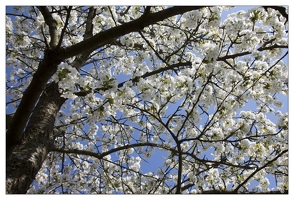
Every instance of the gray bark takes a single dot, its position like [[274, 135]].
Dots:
[[17, 125], [28, 157]]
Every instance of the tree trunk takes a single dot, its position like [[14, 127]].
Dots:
[[18, 123], [28, 157]]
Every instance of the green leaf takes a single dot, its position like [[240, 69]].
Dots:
[[121, 93], [165, 81], [242, 126], [101, 109], [110, 100], [240, 178], [181, 85], [116, 184], [63, 74], [268, 86], [88, 87], [255, 16], [107, 83]]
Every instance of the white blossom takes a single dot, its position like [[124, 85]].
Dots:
[[196, 91]]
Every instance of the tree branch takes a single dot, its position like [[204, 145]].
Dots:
[[180, 164], [52, 25], [232, 192], [156, 53], [258, 169], [89, 23], [248, 52], [8, 120], [82, 58], [101, 155], [281, 9], [137, 78], [112, 15], [104, 37], [64, 27]]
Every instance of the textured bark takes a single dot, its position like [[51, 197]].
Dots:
[[52, 24], [45, 70], [27, 158], [24, 164]]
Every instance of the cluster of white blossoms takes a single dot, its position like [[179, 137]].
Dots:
[[193, 114]]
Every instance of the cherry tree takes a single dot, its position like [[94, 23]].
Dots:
[[94, 94]]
